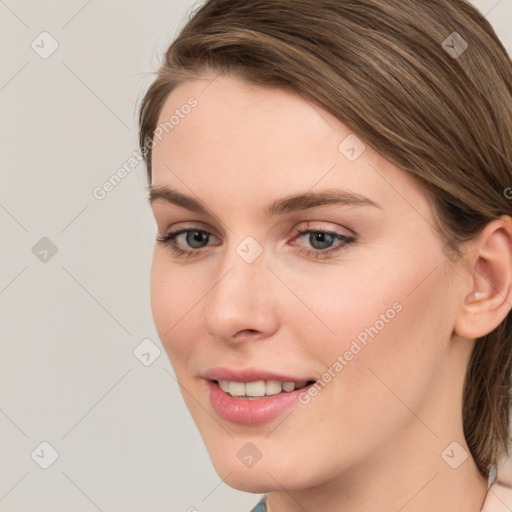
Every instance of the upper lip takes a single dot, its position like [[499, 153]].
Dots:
[[250, 375]]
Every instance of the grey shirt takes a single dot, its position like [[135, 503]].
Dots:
[[261, 506]]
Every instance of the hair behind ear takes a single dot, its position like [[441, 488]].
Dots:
[[488, 396]]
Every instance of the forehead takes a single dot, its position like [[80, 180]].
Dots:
[[241, 118], [241, 139]]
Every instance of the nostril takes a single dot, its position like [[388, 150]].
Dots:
[[246, 331]]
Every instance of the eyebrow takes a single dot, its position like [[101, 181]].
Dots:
[[293, 203]]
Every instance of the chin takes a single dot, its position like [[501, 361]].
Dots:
[[250, 483], [256, 482], [264, 476]]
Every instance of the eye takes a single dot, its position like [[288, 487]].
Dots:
[[194, 241], [324, 242], [194, 238]]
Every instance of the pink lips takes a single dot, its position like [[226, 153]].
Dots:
[[243, 411], [250, 375]]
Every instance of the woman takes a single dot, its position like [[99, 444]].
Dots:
[[332, 279]]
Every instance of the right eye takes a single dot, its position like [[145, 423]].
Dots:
[[194, 238]]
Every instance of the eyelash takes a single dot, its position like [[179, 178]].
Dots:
[[169, 240]]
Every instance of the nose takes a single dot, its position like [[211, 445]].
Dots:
[[242, 303]]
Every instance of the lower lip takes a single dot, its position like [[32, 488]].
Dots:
[[251, 412]]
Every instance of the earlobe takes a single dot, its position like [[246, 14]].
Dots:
[[490, 298]]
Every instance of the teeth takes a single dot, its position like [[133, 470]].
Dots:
[[273, 387], [288, 386], [258, 388], [224, 385], [236, 388], [255, 388]]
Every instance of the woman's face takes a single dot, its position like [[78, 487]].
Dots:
[[366, 310]]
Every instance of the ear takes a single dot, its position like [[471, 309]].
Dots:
[[489, 281]]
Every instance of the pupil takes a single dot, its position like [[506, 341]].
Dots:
[[195, 238], [322, 238]]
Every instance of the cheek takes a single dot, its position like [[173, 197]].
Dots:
[[390, 316], [175, 299], [392, 334]]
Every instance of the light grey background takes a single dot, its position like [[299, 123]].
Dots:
[[70, 324]]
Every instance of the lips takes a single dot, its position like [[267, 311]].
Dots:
[[242, 411], [247, 410], [252, 375]]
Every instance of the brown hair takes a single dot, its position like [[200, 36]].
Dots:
[[398, 73]]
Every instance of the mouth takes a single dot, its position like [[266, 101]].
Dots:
[[259, 389], [253, 396], [255, 402]]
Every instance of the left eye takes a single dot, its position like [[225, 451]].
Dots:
[[320, 237], [196, 239], [323, 241]]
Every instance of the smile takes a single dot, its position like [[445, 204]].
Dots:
[[258, 389], [249, 403]]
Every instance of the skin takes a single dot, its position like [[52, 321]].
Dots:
[[372, 439]]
